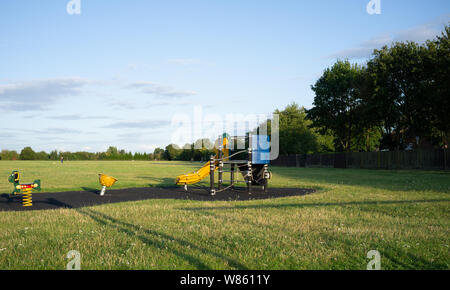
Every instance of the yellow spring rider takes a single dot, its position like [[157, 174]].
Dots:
[[24, 189], [105, 181]]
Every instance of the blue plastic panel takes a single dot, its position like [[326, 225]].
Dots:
[[260, 149]]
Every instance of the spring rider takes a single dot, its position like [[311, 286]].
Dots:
[[24, 189], [105, 181]]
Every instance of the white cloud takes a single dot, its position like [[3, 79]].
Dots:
[[146, 148], [152, 88], [417, 34], [77, 117], [121, 104], [189, 62], [38, 94], [146, 124], [59, 131]]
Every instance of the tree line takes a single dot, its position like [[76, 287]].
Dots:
[[171, 152], [112, 153]]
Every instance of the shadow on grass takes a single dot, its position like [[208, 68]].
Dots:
[[90, 189], [399, 258], [15, 201], [407, 260], [56, 203], [160, 181], [302, 205], [11, 197], [150, 237]]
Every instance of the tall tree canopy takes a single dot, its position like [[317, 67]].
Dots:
[[438, 68], [337, 103], [27, 154], [400, 84], [296, 134], [409, 90]]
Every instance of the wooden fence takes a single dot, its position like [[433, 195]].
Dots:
[[436, 159]]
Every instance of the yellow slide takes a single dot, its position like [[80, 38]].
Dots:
[[194, 177], [197, 176]]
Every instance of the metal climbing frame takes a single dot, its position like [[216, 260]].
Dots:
[[245, 166]]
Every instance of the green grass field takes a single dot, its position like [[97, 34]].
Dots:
[[405, 215]]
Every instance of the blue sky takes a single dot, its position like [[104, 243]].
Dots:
[[118, 72]]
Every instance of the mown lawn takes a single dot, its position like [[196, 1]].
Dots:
[[405, 215]]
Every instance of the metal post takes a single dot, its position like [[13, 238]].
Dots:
[[219, 186], [445, 157], [266, 177], [102, 192], [232, 175], [211, 176], [249, 172]]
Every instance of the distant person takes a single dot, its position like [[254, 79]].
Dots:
[[62, 159]]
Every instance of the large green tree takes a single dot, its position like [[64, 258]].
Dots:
[[296, 135], [437, 67], [112, 151], [400, 85], [338, 109], [172, 152], [158, 154], [27, 154]]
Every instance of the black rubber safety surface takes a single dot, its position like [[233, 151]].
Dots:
[[77, 199]]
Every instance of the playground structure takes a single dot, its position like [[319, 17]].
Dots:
[[105, 181], [254, 168], [24, 189]]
